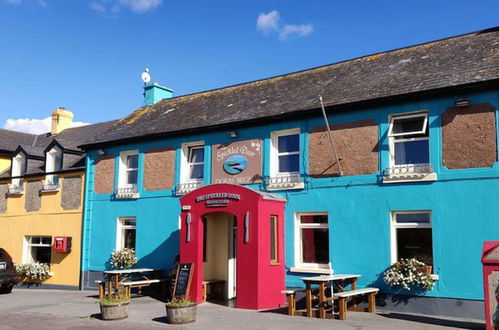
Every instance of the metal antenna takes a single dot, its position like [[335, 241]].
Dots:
[[330, 136]]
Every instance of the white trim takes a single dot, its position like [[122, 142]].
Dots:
[[123, 169], [18, 166], [184, 162], [394, 226], [274, 151], [416, 115], [299, 264], [120, 231]]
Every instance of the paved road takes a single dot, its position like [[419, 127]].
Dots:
[[60, 309]]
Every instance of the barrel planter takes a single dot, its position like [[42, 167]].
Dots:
[[114, 311], [181, 314]]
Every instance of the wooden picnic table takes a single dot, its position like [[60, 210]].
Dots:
[[340, 280], [116, 277]]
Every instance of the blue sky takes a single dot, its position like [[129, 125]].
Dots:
[[87, 55]]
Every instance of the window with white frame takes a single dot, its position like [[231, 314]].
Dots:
[[285, 158], [412, 236], [18, 169], [409, 140], [37, 249], [53, 164], [192, 169], [128, 169], [312, 240], [126, 233]]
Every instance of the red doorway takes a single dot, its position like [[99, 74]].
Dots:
[[258, 228]]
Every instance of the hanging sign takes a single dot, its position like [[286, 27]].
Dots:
[[183, 281], [217, 199], [237, 162]]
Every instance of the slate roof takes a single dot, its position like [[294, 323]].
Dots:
[[435, 66], [35, 145]]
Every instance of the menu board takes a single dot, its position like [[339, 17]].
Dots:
[[183, 280]]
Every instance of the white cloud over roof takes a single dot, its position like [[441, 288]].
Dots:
[[271, 23], [34, 126]]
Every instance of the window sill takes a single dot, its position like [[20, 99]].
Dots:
[[49, 188], [310, 270], [126, 193], [186, 187], [416, 177], [284, 182], [15, 192], [434, 277]]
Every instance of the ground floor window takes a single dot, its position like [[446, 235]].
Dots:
[[312, 240], [37, 249], [412, 236], [273, 240], [126, 233]]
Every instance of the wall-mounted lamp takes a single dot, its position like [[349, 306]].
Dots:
[[232, 134], [462, 102], [101, 152]]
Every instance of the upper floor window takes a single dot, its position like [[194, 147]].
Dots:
[[195, 163], [285, 160], [191, 167], [18, 170], [409, 139], [128, 169], [53, 164]]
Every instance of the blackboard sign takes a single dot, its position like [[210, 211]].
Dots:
[[183, 281]]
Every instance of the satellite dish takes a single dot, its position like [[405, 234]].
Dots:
[[146, 77]]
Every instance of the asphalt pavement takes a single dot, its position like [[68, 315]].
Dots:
[[64, 309]]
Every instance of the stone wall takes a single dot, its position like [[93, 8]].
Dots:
[[159, 169], [104, 174]]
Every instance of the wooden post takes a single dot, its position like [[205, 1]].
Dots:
[[291, 304], [309, 300], [371, 302], [322, 300], [342, 303]]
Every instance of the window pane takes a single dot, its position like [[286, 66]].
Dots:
[[288, 143], [412, 217], [129, 239], [412, 152], [132, 177], [196, 155], [321, 218], [46, 240], [315, 246], [273, 243], [196, 171], [57, 161], [289, 163], [132, 161], [41, 254], [415, 243], [408, 125], [129, 222]]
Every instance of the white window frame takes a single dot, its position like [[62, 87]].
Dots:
[[298, 240], [274, 151], [408, 225], [18, 169], [50, 165], [123, 169], [185, 165], [27, 245], [120, 231], [392, 135]]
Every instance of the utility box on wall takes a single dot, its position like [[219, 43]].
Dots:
[[62, 244], [490, 261]]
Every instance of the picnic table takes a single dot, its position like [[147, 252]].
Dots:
[[340, 280], [133, 277]]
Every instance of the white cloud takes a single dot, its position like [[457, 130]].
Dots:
[[272, 23], [268, 22], [135, 6], [298, 30], [34, 126]]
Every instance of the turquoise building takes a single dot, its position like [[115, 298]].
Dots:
[[408, 168]]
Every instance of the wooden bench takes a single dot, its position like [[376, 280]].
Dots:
[[291, 297], [216, 289], [343, 296], [102, 288], [142, 283]]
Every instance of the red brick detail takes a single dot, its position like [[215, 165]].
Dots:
[[469, 136], [356, 145], [159, 169], [104, 174]]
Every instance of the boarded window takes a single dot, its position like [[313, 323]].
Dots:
[[104, 174], [159, 169]]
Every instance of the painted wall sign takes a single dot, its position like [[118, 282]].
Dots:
[[218, 196], [237, 162]]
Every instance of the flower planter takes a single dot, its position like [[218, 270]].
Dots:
[[181, 314], [114, 311]]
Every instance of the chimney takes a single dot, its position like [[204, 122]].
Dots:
[[155, 92], [61, 119]]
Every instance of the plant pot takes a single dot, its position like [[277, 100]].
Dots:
[[429, 270], [181, 314], [114, 311]]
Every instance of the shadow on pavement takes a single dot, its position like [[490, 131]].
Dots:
[[435, 321], [161, 319]]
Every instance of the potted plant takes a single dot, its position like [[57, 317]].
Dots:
[[114, 306], [407, 273], [180, 311], [123, 259], [33, 272]]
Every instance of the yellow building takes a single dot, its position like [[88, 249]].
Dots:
[[41, 197]]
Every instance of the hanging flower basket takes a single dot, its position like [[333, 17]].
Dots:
[[407, 273], [33, 272], [123, 259]]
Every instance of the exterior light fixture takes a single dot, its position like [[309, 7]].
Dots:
[[232, 134], [246, 228], [462, 102], [188, 220], [101, 152]]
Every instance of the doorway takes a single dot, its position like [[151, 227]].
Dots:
[[219, 255]]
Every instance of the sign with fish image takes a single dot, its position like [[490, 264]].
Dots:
[[237, 162]]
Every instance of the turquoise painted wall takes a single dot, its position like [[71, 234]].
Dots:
[[463, 204]]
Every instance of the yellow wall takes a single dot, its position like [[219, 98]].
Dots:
[[217, 247], [50, 220], [4, 163]]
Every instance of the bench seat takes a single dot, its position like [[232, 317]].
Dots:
[[141, 283], [291, 295], [342, 300]]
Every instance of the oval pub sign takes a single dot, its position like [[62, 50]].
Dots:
[[235, 164]]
